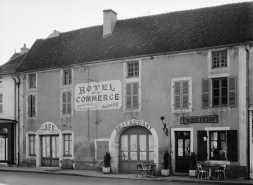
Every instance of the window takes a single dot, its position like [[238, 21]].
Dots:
[[223, 92], [32, 142], [32, 81], [222, 145], [132, 95], [66, 103], [31, 105], [1, 103], [67, 77], [219, 59], [133, 69], [181, 95], [67, 144]]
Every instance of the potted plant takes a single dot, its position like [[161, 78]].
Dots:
[[107, 163], [165, 171], [193, 172]]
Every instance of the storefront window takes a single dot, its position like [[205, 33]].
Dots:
[[218, 145], [151, 147], [133, 147], [124, 148]]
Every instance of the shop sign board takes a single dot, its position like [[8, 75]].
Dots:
[[133, 122], [101, 95], [199, 119], [48, 127]]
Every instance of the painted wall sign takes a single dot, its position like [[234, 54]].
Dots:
[[133, 122], [98, 95], [199, 119], [48, 126]]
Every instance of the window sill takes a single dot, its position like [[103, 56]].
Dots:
[[219, 109], [182, 111], [31, 89], [132, 110]]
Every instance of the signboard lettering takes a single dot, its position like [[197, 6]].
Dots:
[[133, 122], [48, 126], [199, 119]]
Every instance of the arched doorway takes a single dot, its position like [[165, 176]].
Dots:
[[136, 145]]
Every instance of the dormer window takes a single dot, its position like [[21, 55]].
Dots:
[[219, 59], [133, 69]]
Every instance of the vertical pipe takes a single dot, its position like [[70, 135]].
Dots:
[[18, 84], [15, 118], [247, 112]]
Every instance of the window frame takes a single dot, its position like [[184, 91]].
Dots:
[[132, 96], [220, 92], [34, 144], [68, 103], [218, 144], [70, 145], [218, 64], [1, 102], [67, 76], [31, 109], [136, 69], [30, 78]]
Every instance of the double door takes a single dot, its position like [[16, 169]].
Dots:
[[50, 151], [136, 145]]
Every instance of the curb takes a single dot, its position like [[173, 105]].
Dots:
[[113, 177]]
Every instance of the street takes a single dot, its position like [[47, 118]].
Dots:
[[16, 178]]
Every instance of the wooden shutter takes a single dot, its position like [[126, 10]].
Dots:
[[69, 103], [1, 103], [64, 103], [232, 145], [202, 145], [33, 105], [128, 96], [205, 93], [177, 94], [185, 94], [232, 91], [135, 95], [29, 112], [70, 76]]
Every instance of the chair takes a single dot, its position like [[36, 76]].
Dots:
[[153, 169], [221, 170], [140, 170], [200, 170]]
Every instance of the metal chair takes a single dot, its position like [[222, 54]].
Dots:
[[153, 169], [200, 170], [140, 169], [221, 171]]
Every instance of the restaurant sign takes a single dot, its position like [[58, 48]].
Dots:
[[133, 122], [98, 95], [199, 119]]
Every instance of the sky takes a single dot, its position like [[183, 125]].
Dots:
[[24, 21]]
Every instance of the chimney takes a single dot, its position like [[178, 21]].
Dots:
[[110, 19], [24, 49]]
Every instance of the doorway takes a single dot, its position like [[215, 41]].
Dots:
[[182, 151], [50, 150], [136, 145]]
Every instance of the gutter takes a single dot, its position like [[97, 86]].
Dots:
[[15, 114]]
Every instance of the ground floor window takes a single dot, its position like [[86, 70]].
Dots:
[[218, 145], [32, 145], [67, 144]]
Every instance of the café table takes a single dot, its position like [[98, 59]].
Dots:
[[210, 166]]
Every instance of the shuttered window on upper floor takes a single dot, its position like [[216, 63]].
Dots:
[[66, 103], [181, 95], [67, 77], [132, 95], [31, 109], [1, 103]]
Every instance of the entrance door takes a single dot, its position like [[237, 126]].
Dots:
[[182, 151], [136, 145], [50, 151], [3, 145]]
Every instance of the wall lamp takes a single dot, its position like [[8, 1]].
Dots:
[[165, 129]]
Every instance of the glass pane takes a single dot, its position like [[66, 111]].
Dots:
[[216, 101], [2, 147], [224, 83], [216, 92], [124, 156], [133, 142], [151, 143], [124, 143], [143, 155], [187, 147], [224, 92], [214, 135], [66, 147], [223, 135], [143, 143], [44, 147], [53, 147], [57, 146], [133, 155], [216, 83], [70, 146], [180, 147], [224, 100], [151, 156]]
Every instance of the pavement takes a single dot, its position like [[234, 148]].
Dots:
[[99, 174]]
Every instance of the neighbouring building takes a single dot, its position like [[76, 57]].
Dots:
[[105, 88]]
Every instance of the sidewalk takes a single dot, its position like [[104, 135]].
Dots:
[[99, 174]]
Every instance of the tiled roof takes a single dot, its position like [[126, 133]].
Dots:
[[14, 56], [150, 35], [11, 66]]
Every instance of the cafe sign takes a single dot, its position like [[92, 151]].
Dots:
[[199, 119], [48, 127], [98, 95], [133, 122]]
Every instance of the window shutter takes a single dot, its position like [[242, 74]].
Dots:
[[29, 106], [185, 94], [136, 95], [1, 103], [232, 91], [64, 103], [70, 76], [33, 105], [202, 145], [232, 145], [205, 93], [128, 96], [69, 102], [177, 93]]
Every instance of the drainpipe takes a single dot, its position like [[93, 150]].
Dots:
[[15, 113], [247, 112]]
